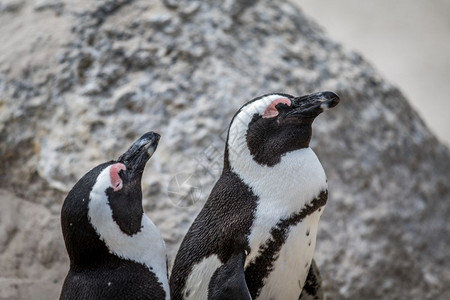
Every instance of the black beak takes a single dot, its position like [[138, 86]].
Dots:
[[140, 152], [310, 106]]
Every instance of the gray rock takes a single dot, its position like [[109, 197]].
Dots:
[[9, 6], [56, 5], [119, 68]]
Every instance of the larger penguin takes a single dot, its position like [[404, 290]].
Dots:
[[115, 250], [271, 192]]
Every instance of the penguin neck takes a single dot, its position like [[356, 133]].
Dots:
[[145, 247], [298, 177], [236, 139]]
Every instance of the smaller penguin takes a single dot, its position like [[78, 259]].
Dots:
[[115, 250], [228, 281]]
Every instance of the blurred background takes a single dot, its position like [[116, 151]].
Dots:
[[408, 41], [81, 80]]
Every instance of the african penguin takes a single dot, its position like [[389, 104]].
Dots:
[[115, 250], [272, 192]]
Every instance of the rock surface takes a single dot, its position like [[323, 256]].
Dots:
[[80, 81]]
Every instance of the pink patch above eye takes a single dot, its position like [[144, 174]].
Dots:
[[272, 111], [116, 181]]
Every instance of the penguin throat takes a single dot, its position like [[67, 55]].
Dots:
[[127, 213], [269, 143], [132, 247], [287, 186]]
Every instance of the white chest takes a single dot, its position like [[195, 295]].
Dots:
[[284, 190], [291, 267]]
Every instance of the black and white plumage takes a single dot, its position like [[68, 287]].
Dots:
[[272, 192], [115, 250], [228, 281]]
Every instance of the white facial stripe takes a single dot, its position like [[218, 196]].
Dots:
[[199, 278], [145, 247], [237, 143]]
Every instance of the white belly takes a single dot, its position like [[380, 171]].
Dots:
[[291, 267]]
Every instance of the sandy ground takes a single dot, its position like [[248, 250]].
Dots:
[[407, 40]]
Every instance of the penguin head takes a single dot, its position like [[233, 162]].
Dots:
[[272, 125], [121, 183], [109, 193]]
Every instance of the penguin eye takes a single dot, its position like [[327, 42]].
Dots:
[[116, 181], [272, 111], [118, 186]]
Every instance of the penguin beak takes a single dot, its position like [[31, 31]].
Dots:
[[136, 157], [310, 106]]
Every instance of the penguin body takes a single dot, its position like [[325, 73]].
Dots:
[[115, 250], [272, 192]]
